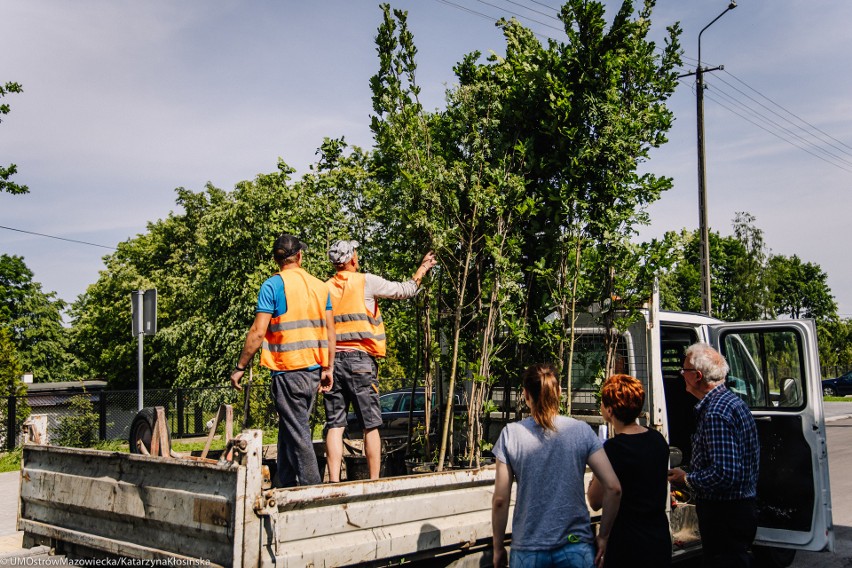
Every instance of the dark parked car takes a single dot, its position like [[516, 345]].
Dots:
[[841, 386], [395, 409]]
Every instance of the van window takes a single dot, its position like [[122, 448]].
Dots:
[[388, 401], [419, 402], [457, 401], [587, 370], [673, 344], [766, 368]]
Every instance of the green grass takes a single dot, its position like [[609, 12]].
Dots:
[[112, 446], [837, 399], [270, 436], [197, 446], [10, 461]]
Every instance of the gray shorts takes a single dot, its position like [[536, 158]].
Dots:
[[356, 381]]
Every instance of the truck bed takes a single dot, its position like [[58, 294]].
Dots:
[[96, 503]]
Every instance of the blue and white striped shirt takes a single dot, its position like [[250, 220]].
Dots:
[[725, 448]]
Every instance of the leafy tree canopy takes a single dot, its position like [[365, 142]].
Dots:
[[835, 346], [10, 367], [11, 383], [7, 172], [747, 282], [33, 320], [799, 289], [207, 263]]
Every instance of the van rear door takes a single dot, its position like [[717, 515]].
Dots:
[[775, 370]]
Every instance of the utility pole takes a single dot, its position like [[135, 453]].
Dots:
[[703, 228]]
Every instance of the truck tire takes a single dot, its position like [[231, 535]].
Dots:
[[142, 429], [772, 557]]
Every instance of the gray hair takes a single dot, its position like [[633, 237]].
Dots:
[[710, 362]]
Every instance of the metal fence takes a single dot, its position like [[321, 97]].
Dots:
[[188, 411], [831, 371]]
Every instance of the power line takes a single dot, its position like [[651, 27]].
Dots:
[[787, 111], [545, 14], [788, 121], [768, 120], [520, 16], [466, 9], [691, 59], [555, 9], [747, 119], [807, 141], [807, 137], [57, 238], [490, 18]]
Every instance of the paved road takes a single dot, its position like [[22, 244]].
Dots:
[[839, 465], [8, 501], [838, 410], [10, 539]]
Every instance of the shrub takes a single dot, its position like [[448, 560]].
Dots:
[[80, 428]]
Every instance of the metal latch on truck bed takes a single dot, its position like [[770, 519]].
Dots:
[[265, 504]]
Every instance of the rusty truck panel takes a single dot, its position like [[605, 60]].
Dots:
[[94, 503], [369, 521], [132, 505]]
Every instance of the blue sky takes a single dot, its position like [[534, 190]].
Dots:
[[125, 101]]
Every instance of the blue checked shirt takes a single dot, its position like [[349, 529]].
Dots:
[[725, 449]]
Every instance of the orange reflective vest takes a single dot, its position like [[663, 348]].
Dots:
[[298, 339], [355, 326]]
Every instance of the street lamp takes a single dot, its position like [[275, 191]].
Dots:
[[704, 243]]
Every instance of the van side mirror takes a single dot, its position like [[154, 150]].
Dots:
[[675, 456]]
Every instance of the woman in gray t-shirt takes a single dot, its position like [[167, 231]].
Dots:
[[547, 454]]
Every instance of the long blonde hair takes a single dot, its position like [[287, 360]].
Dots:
[[543, 389]]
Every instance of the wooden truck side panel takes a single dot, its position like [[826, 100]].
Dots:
[[131, 505], [369, 521], [92, 503]]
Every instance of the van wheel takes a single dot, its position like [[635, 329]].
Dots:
[[772, 557], [142, 429]]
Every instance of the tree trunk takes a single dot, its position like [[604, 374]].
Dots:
[[461, 287], [571, 342], [428, 372]]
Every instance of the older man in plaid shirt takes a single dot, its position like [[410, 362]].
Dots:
[[725, 455]]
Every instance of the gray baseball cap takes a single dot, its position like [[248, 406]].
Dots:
[[341, 252]]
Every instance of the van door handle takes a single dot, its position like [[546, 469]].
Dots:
[[762, 418]]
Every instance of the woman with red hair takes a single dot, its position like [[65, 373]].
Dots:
[[640, 457]]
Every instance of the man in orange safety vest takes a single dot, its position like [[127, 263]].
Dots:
[[360, 341], [294, 325]]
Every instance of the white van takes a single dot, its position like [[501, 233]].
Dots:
[[775, 370]]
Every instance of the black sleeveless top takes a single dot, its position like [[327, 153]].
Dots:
[[640, 535]]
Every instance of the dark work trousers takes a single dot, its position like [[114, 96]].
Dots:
[[295, 393], [727, 531]]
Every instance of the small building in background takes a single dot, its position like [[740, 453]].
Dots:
[[52, 399]]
